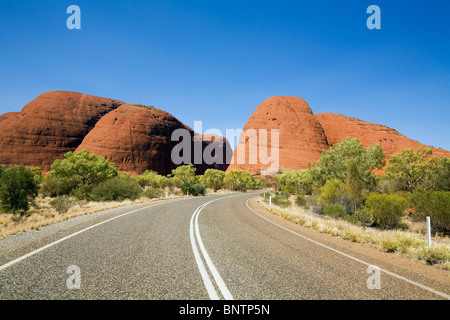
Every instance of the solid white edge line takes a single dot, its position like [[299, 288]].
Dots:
[[67, 237], [8, 264], [219, 281], [439, 293]]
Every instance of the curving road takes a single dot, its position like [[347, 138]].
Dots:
[[217, 247]]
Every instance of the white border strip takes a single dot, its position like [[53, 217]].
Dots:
[[6, 265], [439, 293]]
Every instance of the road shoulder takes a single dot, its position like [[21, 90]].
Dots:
[[417, 271]]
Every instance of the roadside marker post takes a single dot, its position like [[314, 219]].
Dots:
[[270, 201], [429, 231]]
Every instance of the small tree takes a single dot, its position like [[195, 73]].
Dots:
[[239, 180], [214, 178], [183, 174], [354, 182], [332, 192], [415, 169], [436, 205], [334, 163], [18, 186], [80, 171]]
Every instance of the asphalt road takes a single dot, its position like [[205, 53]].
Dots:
[[214, 247]]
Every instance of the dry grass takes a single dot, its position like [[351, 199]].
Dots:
[[42, 214], [411, 244]]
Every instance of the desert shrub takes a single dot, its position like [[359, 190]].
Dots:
[[116, 189], [386, 210], [416, 169], [183, 174], [198, 189], [436, 205], [334, 210], [213, 179], [336, 192], [332, 192], [389, 185], [434, 254], [80, 171], [153, 193], [281, 200], [300, 200], [62, 204], [288, 189], [239, 180], [362, 217], [194, 189], [18, 187], [53, 187]]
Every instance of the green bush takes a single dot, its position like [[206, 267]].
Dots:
[[153, 193], [116, 189], [213, 179], [436, 205], [79, 171], [300, 200], [335, 210], [281, 200], [194, 189], [18, 186], [239, 180], [332, 192], [62, 204], [362, 217], [53, 187], [386, 210]]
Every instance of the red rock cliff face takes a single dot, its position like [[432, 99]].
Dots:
[[301, 137], [338, 127], [49, 126], [138, 138]]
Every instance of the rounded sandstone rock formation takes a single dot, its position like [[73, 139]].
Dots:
[[49, 126], [137, 138], [338, 127], [301, 137]]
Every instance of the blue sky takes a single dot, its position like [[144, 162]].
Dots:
[[216, 61]]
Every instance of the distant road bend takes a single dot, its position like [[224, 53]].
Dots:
[[216, 247]]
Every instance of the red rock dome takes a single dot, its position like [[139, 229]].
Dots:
[[301, 137], [49, 126]]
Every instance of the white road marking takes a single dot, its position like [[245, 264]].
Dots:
[[32, 253], [439, 293], [201, 267], [195, 235]]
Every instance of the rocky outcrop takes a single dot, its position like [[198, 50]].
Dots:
[[49, 126], [301, 137], [136, 138], [338, 127], [304, 135]]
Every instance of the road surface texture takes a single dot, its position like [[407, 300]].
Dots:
[[215, 247]]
